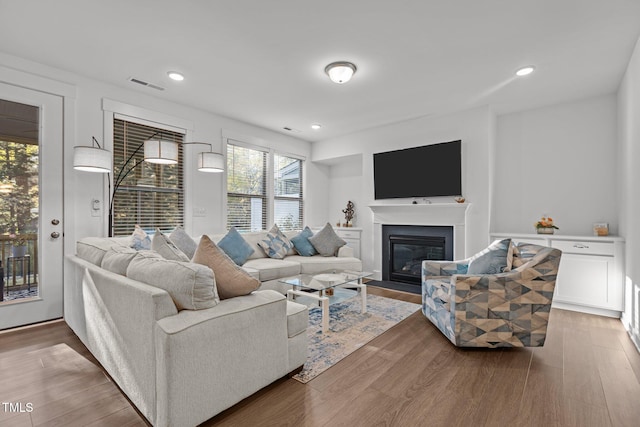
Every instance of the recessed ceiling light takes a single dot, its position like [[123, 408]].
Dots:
[[174, 75], [525, 71], [316, 126]]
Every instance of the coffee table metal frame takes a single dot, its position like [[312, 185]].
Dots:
[[304, 283]]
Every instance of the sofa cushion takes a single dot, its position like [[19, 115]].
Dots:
[[270, 268], [140, 240], [191, 286], [326, 241], [492, 260], [302, 244], [316, 264], [93, 249], [165, 247], [234, 245], [275, 244], [297, 318], [117, 259], [183, 241], [231, 280]]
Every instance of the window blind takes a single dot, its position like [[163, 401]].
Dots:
[[151, 195], [287, 187], [246, 188]]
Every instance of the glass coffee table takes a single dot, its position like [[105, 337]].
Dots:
[[322, 288]]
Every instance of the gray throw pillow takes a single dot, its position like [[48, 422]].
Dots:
[[326, 241], [492, 260], [183, 241], [165, 247]]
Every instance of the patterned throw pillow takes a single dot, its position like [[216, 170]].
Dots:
[[234, 245], [165, 247], [140, 240], [492, 260], [302, 244], [276, 244], [183, 241], [326, 241], [231, 280]]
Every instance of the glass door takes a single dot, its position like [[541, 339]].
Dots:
[[31, 252]]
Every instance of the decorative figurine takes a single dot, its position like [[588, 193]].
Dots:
[[348, 213]]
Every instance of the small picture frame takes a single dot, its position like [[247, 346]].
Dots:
[[601, 229]]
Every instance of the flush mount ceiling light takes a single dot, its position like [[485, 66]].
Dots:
[[316, 126], [174, 75], [340, 72], [525, 71]]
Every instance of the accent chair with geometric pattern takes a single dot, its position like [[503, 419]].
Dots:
[[502, 309]]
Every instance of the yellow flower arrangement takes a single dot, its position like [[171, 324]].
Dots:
[[545, 222]]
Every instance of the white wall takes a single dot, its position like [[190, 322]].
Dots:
[[472, 127], [205, 190], [629, 136], [558, 160], [345, 184]]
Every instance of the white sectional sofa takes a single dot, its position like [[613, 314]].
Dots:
[[182, 367], [266, 269]]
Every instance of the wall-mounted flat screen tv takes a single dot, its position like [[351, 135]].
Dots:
[[427, 171]]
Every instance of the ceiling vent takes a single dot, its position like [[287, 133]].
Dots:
[[143, 83], [287, 128]]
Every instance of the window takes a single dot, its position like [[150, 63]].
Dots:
[[287, 189], [151, 195], [253, 203], [246, 188]]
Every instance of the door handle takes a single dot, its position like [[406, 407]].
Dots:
[[55, 235]]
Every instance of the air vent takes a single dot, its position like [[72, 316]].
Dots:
[[143, 83], [291, 129]]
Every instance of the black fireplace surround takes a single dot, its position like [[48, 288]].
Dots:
[[404, 247]]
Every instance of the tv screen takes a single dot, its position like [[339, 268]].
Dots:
[[427, 171]]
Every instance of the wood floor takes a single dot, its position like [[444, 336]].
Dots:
[[587, 374]]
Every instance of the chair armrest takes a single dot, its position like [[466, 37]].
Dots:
[[443, 268]]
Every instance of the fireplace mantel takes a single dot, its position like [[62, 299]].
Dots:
[[448, 214], [420, 214]]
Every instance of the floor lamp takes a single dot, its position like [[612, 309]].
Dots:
[[157, 150]]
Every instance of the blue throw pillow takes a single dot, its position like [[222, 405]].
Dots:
[[302, 244], [492, 260], [234, 245]]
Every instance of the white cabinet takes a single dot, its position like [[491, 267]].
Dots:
[[591, 274], [352, 236]]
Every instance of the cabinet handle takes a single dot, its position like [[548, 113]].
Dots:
[[580, 246]]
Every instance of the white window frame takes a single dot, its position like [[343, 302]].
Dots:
[[261, 145], [120, 110]]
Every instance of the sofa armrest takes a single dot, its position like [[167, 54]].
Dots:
[[443, 268], [210, 359], [345, 251]]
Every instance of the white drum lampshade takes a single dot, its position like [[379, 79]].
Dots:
[[91, 159], [210, 162], [161, 152]]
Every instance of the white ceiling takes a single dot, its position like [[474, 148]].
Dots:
[[263, 62]]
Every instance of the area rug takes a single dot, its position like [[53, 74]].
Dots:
[[349, 329]]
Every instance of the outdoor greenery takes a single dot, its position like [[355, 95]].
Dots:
[[19, 191]]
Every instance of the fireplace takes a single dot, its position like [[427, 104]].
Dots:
[[406, 246]]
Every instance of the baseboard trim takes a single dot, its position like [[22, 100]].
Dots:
[[585, 309]]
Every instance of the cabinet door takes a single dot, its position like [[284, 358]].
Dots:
[[587, 280]]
